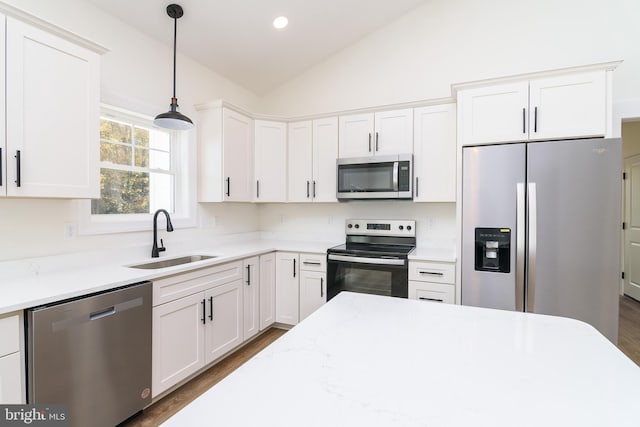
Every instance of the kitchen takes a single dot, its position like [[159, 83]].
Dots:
[[43, 227]]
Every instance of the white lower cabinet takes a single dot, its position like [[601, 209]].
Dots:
[[267, 290], [432, 281], [313, 283], [287, 278], [11, 360], [191, 331], [223, 329], [251, 297]]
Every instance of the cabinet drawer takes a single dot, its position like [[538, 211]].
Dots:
[[178, 286], [440, 272], [313, 262], [11, 379], [9, 334], [432, 292]]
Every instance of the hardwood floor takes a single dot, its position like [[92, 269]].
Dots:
[[178, 399], [628, 342], [629, 328]]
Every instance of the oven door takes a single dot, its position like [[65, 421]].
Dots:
[[369, 275]]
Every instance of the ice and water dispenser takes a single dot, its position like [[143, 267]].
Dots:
[[493, 249]]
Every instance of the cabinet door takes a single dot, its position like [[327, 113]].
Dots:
[[270, 161], [237, 153], [495, 113], [287, 272], [3, 148], [267, 290], [568, 106], [434, 153], [313, 292], [52, 105], [10, 379], [251, 297], [393, 132], [224, 319], [355, 135], [301, 152], [178, 341], [434, 292], [325, 153]]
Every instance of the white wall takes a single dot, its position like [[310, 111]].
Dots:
[[136, 75], [435, 225], [451, 41]]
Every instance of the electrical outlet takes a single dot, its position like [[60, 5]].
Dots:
[[70, 231]]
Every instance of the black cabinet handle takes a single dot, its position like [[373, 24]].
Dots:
[[294, 267], [249, 275], [376, 141], [416, 186], [204, 311], [257, 189], [18, 174], [228, 186], [314, 189], [432, 273], [321, 287], [0, 166], [535, 119], [210, 308], [431, 299], [524, 121], [369, 141], [307, 189]]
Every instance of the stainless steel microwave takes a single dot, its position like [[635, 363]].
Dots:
[[380, 177]]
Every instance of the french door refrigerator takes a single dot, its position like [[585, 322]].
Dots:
[[541, 229]]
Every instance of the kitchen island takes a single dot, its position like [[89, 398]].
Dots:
[[364, 360]]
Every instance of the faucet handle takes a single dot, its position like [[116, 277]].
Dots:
[[161, 248]]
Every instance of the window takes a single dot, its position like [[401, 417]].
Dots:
[[136, 169], [142, 169]]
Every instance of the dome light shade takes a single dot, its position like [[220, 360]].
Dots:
[[173, 119]]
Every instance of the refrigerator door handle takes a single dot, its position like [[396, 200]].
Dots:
[[533, 232], [520, 245]]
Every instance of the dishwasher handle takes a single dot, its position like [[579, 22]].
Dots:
[[102, 313]]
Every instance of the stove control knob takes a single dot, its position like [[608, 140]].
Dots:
[[409, 227], [357, 225], [350, 226], [401, 227]]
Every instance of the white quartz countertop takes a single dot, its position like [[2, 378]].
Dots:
[[365, 360], [433, 254], [36, 281]]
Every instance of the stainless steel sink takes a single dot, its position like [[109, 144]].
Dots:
[[173, 262]]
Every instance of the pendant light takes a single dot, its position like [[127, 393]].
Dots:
[[173, 119]]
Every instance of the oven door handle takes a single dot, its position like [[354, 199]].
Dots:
[[364, 260]]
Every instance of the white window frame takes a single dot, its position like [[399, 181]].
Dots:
[[182, 156]]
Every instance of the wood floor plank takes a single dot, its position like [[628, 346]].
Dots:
[[628, 342]]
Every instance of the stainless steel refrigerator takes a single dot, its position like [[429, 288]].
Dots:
[[541, 229]]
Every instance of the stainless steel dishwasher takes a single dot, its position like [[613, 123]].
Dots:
[[92, 354]]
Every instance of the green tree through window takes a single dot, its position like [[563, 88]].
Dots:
[[135, 169]]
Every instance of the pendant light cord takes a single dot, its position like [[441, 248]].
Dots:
[[175, 36]]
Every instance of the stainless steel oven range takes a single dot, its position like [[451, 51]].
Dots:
[[374, 258]]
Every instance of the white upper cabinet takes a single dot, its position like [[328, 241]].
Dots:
[[52, 115], [270, 161], [313, 149], [571, 105], [495, 113], [372, 134], [325, 153], [393, 132], [356, 135], [225, 155], [434, 153], [300, 159], [568, 106]]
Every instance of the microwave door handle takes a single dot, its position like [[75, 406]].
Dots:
[[395, 175]]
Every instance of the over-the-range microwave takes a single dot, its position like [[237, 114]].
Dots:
[[379, 177]]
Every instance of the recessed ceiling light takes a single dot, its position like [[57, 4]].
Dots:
[[280, 22]]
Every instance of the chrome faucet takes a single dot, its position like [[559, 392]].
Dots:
[[155, 251]]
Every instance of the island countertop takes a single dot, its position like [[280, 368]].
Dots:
[[365, 360]]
